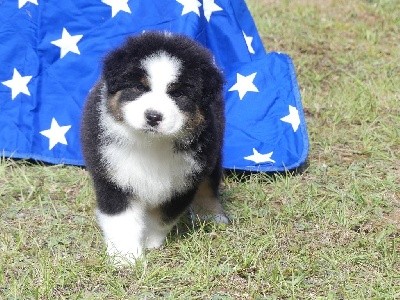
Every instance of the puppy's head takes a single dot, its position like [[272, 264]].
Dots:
[[161, 84]]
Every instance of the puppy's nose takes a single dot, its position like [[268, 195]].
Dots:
[[153, 118]]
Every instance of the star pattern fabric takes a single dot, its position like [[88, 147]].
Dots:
[[249, 40], [244, 84], [21, 3], [68, 43], [190, 6], [209, 8], [259, 158], [117, 6], [292, 118], [51, 54], [18, 84], [56, 134]]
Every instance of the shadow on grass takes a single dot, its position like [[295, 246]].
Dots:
[[244, 176]]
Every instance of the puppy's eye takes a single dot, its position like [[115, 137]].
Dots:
[[140, 87], [176, 93]]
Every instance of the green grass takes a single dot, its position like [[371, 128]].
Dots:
[[332, 232]]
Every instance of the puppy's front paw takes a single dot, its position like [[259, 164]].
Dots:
[[123, 258], [219, 218]]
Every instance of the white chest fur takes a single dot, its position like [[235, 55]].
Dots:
[[148, 167], [153, 172]]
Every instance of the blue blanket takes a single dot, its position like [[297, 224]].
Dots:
[[51, 53]]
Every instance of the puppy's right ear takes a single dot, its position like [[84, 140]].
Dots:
[[213, 82], [114, 66]]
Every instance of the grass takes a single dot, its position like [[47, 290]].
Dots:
[[332, 232]]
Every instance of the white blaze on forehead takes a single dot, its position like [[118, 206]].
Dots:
[[162, 69]]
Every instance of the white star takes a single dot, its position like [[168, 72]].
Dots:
[[258, 158], [293, 118], [244, 84], [56, 134], [117, 6], [68, 43], [18, 84], [23, 2], [190, 6], [209, 7], [249, 40]]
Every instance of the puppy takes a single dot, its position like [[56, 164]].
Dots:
[[152, 134]]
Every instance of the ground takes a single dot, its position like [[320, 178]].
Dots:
[[331, 232]]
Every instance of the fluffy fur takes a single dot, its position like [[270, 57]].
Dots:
[[152, 135]]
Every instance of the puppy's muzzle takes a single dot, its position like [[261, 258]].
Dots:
[[153, 118]]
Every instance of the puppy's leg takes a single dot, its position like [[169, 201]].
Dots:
[[156, 229], [206, 205], [124, 233], [122, 221]]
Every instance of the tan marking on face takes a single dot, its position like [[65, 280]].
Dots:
[[145, 81], [114, 107], [173, 87], [194, 121]]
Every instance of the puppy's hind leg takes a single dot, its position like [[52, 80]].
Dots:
[[206, 205]]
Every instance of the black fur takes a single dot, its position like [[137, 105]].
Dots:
[[201, 91]]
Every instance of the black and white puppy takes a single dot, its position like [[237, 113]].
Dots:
[[152, 134]]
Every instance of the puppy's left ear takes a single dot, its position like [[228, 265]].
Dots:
[[213, 82]]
